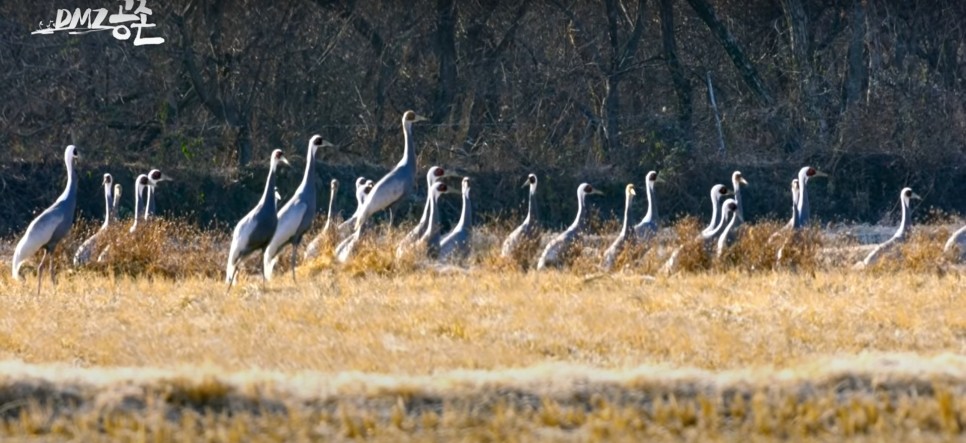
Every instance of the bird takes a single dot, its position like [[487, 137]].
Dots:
[[116, 204], [455, 246], [900, 236], [51, 226], [795, 192], [956, 245], [326, 234], [361, 190], [560, 247], [718, 192], [804, 175], [615, 249], [297, 214], [154, 177], [86, 249], [647, 228], [255, 229], [141, 184], [396, 184], [528, 230], [433, 175], [736, 181], [729, 234], [706, 239], [428, 243]]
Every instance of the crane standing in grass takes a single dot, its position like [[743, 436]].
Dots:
[[647, 228], [625, 235], [561, 246], [255, 230], [86, 249], [455, 246], [296, 216], [51, 226], [528, 230]]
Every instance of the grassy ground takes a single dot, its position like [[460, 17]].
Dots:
[[401, 350]]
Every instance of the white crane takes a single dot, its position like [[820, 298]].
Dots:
[[718, 192], [51, 226], [560, 247], [736, 181], [956, 245], [86, 249], [648, 226], [433, 175], [326, 234], [455, 246], [155, 177], [729, 234], [255, 230], [900, 235], [529, 229], [295, 218], [141, 183], [615, 249]]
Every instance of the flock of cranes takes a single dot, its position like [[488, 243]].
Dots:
[[267, 229]]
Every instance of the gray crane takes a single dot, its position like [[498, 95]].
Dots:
[[528, 230], [705, 238], [326, 234], [154, 178], [718, 192], [729, 235], [141, 184], [624, 236], [433, 175], [955, 247], [255, 229], [428, 243], [559, 249], [398, 183], [295, 217], [86, 249], [736, 181], [647, 228], [455, 246], [900, 236], [804, 175], [362, 188], [51, 226]]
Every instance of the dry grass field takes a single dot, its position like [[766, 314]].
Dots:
[[151, 348]]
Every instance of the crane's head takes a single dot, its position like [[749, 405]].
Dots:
[[531, 180], [907, 194], [437, 173], [718, 191], [586, 189], [278, 157], [360, 182], [651, 178], [629, 190], [410, 117], [367, 186], [737, 178], [155, 176], [141, 181], [71, 153], [317, 142], [729, 206], [334, 184], [108, 180], [466, 185], [440, 188], [794, 185], [809, 172]]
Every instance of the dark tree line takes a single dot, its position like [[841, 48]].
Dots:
[[599, 91]]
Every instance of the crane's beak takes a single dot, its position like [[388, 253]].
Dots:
[[326, 144], [596, 192], [915, 196], [165, 178], [743, 181], [420, 118], [284, 160], [820, 174]]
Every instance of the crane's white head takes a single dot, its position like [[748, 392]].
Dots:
[[317, 142], [141, 182], [794, 185], [907, 195], [718, 191], [737, 178], [651, 177], [360, 182], [807, 173], [108, 180], [586, 189], [729, 206], [334, 184], [531, 181], [440, 188], [278, 157], [71, 153], [410, 117], [629, 190], [155, 177], [466, 186], [117, 189], [437, 173], [367, 186]]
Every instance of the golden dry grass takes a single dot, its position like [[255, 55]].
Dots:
[[380, 348]]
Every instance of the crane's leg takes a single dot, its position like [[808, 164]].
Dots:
[[40, 270], [231, 280]]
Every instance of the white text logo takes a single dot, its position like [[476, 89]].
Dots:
[[90, 20]]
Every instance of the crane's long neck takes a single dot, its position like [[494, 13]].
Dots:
[[433, 220], [625, 229], [906, 218], [147, 204], [722, 224], [108, 201], [138, 189], [532, 211], [651, 203], [467, 213], [268, 195], [429, 202], [740, 212], [409, 150], [579, 220], [70, 192], [308, 180], [803, 213], [733, 223], [715, 201]]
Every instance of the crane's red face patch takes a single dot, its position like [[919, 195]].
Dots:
[[652, 176], [723, 191], [143, 180], [439, 172], [588, 188], [317, 141], [442, 188], [409, 116], [811, 172], [532, 179], [155, 175]]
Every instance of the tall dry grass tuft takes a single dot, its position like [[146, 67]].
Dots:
[[921, 252], [172, 248], [799, 250], [692, 254], [753, 251]]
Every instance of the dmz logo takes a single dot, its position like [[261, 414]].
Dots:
[[82, 21]]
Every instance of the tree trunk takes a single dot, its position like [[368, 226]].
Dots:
[[857, 74], [682, 87], [446, 57]]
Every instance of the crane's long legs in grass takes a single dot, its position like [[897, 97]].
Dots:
[[40, 271], [295, 247]]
